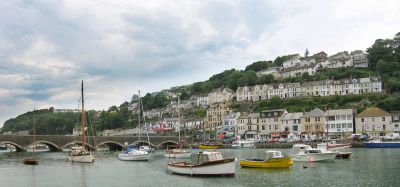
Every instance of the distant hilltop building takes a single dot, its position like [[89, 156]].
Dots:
[[295, 65], [64, 110]]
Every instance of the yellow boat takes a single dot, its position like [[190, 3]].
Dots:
[[274, 159], [210, 146]]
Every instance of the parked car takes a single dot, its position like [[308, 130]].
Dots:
[[392, 136]]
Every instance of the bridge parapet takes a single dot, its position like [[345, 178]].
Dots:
[[57, 143]]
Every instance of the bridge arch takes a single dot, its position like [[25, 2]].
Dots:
[[112, 144], [141, 142], [77, 143], [164, 144], [52, 146], [17, 146]]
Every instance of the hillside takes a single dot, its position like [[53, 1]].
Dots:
[[384, 62]]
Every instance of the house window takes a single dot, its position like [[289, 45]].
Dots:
[[384, 127], [373, 127], [373, 119], [269, 127], [262, 127], [362, 120], [295, 128], [249, 127], [333, 126], [349, 125], [317, 119], [383, 118], [275, 119]]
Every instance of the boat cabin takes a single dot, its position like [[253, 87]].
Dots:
[[206, 156], [299, 148], [274, 154]]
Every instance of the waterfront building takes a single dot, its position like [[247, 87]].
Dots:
[[396, 121], [284, 90], [291, 123], [374, 121], [313, 123], [220, 95], [252, 93], [248, 125], [270, 125], [215, 115], [339, 123], [230, 122]]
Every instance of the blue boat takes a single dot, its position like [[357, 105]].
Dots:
[[380, 144]]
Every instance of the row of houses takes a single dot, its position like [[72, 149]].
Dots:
[[296, 65], [307, 89], [280, 123]]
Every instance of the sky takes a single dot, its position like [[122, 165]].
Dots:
[[119, 47]]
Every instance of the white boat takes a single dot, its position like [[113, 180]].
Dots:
[[38, 148], [134, 155], [340, 149], [80, 153], [243, 144], [143, 152], [208, 164], [7, 149], [305, 153], [177, 153]]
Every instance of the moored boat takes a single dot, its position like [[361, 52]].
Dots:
[[177, 153], [208, 164], [274, 159], [243, 144], [210, 146], [381, 144], [305, 153], [340, 149], [134, 155]]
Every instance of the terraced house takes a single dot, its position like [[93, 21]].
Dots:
[[313, 123], [215, 115], [374, 121]]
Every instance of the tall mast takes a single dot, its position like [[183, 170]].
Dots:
[[140, 103], [83, 117], [179, 120], [34, 132]]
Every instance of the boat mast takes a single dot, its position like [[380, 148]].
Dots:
[[34, 132], [179, 122], [144, 121], [83, 117], [138, 126]]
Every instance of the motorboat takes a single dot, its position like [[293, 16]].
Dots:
[[274, 159], [341, 149], [305, 153], [243, 144], [210, 145], [7, 149], [209, 163], [381, 144], [132, 154], [38, 148], [177, 153]]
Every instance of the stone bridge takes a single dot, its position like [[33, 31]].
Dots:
[[58, 143]]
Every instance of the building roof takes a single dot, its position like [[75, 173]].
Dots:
[[291, 116], [373, 112], [339, 112], [314, 113]]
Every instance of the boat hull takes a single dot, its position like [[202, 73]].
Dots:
[[178, 155], [225, 168], [136, 157], [343, 155], [210, 146], [271, 163], [82, 158], [314, 157], [31, 161], [382, 144]]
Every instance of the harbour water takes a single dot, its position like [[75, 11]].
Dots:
[[368, 167]]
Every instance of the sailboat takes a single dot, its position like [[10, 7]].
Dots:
[[178, 153], [81, 153], [32, 160], [133, 153]]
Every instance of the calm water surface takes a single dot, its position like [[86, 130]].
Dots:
[[368, 167]]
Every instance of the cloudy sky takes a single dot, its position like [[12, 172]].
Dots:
[[118, 47]]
